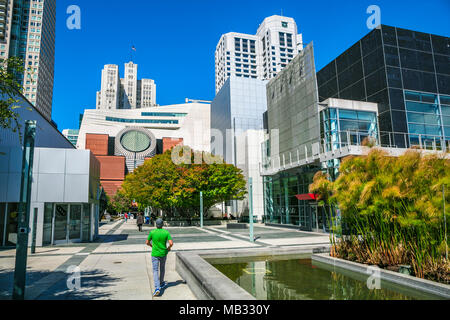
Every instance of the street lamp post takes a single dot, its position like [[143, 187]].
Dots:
[[250, 197], [201, 209], [24, 212]]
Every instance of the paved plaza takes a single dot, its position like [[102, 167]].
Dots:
[[118, 265]]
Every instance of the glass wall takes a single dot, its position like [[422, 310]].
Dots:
[[380, 66], [61, 223], [75, 222], [12, 224], [2, 221], [281, 205], [48, 224], [60, 226], [428, 118], [340, 127], [86, 222]]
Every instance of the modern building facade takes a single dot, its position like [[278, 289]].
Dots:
[[259, 56], [388, 90], [407, 73], [125, 93], [27, 31], [71, 135], [65, 188], [237, 108], [123, 139]]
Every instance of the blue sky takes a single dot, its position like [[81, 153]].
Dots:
[[176, 40]]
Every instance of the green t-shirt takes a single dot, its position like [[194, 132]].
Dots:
[[159, 238]]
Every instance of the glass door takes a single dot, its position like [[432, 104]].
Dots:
[[12, 224], [315, 219], [75, 222], [60, 225]]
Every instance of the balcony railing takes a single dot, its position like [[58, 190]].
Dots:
[[342, 141]]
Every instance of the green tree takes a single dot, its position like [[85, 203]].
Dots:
[[119, 203], [175, 188], [9, 89], [393, 210]]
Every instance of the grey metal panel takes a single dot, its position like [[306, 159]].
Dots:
[[50, 188], [77, 161], [76, 188], [52, 161]]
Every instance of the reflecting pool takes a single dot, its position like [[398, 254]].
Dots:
[[300, 278]]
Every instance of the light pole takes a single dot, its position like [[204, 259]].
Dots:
[[24, 212], [201, 209], [250, 199]]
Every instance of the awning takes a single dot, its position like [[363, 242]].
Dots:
[[307, 197]]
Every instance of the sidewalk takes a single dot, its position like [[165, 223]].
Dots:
[[118, 266]]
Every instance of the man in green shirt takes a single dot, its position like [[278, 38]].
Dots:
[[157, 239]]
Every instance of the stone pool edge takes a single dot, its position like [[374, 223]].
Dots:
[[435, 288], [208, 283]]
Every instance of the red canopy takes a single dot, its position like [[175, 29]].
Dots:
[[307, 196]]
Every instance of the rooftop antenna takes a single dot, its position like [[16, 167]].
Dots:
[[281, 12]]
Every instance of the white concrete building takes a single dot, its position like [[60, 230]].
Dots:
[[280, 43], [108, 96], [259, 56], [65, 188], [237, 117], [190, 122], [26, 27], [248, 158], [127, 92]]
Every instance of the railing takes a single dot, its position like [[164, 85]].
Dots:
[[345, 139]]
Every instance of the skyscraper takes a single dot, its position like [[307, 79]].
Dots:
[[259, 56], [27, 31], [126, 93]]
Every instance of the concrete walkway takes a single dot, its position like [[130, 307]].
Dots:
[[118, 266]]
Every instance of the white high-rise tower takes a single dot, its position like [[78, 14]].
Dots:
[[259, 56], [126, 93]]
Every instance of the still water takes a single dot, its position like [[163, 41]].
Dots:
[[304, 279]]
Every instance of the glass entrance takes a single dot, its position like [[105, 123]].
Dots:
[[60, 226], [67, 223], [75, 222], [12, 224], [317, 219]]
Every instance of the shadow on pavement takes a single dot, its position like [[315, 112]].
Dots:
[[90, 283], [112, 238], [171, 284]]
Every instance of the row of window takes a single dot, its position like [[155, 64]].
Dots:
[[141, 121]]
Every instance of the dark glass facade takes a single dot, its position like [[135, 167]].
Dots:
[[382, 67], [282, 206]]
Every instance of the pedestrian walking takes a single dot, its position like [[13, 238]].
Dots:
[[158, 239], [140, 221], [126, 217]]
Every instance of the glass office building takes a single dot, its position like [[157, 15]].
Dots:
[[407, 73]]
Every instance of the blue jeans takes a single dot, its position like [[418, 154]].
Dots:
[[159, 264]]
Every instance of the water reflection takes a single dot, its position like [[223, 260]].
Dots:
[[300, 279]]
